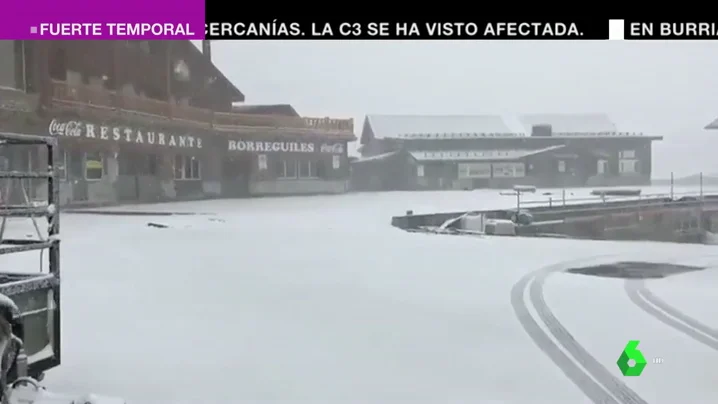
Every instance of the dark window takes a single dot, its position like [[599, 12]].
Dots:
[[321, 170], [187, 168], [305, 169], [58, 64], [290, 168], [152, 164]]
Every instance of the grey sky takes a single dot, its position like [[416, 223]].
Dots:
[[663, 88]]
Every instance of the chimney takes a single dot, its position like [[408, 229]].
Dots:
[[207, 50], [542, 130]]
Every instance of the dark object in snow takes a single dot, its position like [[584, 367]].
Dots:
[[157, 225], [635, 270], [616, 192], [409, 212]]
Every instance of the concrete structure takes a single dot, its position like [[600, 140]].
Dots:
[[484, 151], [144, 121]]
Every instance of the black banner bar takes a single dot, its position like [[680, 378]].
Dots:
[[218, 27], [670, 30]]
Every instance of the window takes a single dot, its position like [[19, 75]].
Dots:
[[628, 166], [419, 171], [336, 162], [508, 170], [61, 165], [94, 166], [627, 154], [262, 161], [287, 169], [136, 164], [307, 169], [187, 168], [561, 166], [292, 168], [322, 168], [601, 166], [474, 170], [152, 164]]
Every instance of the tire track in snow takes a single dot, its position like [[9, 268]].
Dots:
[[669, 315], [591, 377]]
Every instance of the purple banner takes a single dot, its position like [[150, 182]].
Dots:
[[95, 20]]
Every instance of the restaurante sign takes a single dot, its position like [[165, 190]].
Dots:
[[287, 147], [122, 134]]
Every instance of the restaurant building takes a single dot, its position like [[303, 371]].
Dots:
[[146, 121], [491, 151]]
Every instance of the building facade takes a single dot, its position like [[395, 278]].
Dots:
[[468, 152], [141, 121]]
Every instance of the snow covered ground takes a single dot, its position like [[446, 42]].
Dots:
[[318, 299]]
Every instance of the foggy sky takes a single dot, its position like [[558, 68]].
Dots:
[[660, 88]]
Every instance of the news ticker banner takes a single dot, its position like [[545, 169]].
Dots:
[[197, 19], [94, 20]]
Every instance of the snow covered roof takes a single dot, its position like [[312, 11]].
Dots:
[[393, 126], [570, 123], [474, 126], [403, 127]]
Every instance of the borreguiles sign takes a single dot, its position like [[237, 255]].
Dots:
[[286, 147], [123, 134]]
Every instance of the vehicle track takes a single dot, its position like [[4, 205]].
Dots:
[[592, 378], [669, 315]]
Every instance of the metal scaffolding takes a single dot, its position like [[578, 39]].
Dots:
[[37, 293]]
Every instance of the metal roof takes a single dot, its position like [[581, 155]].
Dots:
[[477, 155]]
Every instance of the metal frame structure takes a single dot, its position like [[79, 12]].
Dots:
[[36, 294]]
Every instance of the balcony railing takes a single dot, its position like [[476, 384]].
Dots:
[[100, 98]]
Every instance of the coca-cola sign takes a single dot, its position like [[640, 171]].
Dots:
[[123, 134], [336, 148], [286, 147]]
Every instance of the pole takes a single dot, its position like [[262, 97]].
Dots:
[[563, 196], [518, 202], [701, 182], [671, 184]]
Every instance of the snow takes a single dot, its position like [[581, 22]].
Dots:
[[319, 299]]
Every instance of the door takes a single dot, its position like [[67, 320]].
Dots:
[[130, 165], [76, 175], [236, 172]]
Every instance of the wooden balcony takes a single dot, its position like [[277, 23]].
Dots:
[[86, 96]]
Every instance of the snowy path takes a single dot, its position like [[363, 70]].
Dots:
[[319, 300]]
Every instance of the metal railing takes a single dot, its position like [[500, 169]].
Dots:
[[101, 98]]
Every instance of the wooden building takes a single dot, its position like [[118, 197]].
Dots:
[[144, 121], [487, 151]]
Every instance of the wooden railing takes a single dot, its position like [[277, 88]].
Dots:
[[100, 98]]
